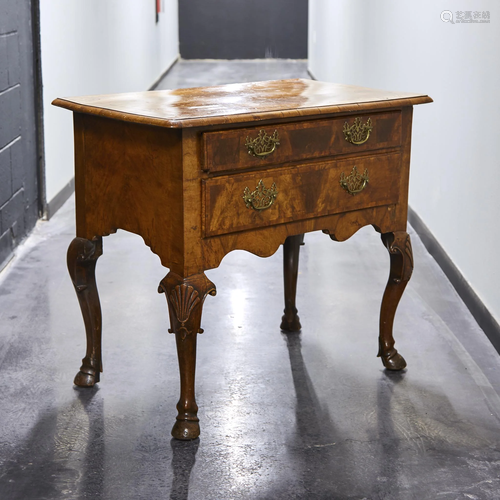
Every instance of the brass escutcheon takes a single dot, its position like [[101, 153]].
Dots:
[[358, 133], [261, 198], [263, 144], [355, 182]]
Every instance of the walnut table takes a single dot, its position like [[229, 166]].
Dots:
[[200, 172]]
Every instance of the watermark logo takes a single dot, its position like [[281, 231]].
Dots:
[[465, 16]]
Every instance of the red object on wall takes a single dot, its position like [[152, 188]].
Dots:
[[158, 6]]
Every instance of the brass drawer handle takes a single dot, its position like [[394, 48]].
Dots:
[[354, 183], [357, 133], [263, 144], [261, 198]]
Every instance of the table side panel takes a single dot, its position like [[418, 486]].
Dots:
[[129, 176], [407, 117]]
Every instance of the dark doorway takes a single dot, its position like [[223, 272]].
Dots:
[[19, 200], [242, 29]]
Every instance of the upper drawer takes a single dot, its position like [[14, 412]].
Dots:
[[261, 146]]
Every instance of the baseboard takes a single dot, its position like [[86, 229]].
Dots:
[[59, 199], [164, 74], [481, 314]]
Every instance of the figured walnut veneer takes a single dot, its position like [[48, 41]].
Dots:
[[176, 168]]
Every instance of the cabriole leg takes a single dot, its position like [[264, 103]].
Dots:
[[185, 297], [82, 258], [399, 246], [290, 321]]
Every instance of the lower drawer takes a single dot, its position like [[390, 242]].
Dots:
[[244, 201]]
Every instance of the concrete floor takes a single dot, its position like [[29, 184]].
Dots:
[[198, 73], [303, 416]]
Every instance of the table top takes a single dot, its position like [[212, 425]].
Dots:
[[238, 103]]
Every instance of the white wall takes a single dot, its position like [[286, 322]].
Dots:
[[97, 47], [455, 178]]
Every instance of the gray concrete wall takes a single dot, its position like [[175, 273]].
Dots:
[[18, 152], [240, 29]]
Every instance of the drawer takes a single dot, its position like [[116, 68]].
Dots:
[[234, 202], [235, 149]]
